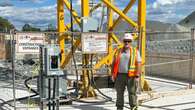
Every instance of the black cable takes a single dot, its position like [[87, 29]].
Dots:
[[27, 86], [72, 29], [90, 80], [26, 97], [94, 84], [18, 99], [36, 93], [107, 98]]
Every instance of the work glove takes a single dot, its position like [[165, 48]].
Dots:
[[112, 78]]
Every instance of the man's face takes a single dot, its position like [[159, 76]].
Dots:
[[127, 43]]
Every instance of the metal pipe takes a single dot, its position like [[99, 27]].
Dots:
[[54, 92], [192, 59], [13, 66], [41, 87], [49, 93], [57, 93]]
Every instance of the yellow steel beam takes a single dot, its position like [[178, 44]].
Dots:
[[95, 7], [130, 4], [110, 23], [69, 55], [115, 38], [87, 89], [107, 60], [67, 27], [85, 8], [142, 26], [78, 20], [74, 13], [104, 60], [142, 29], [61, 28], [118, 11]]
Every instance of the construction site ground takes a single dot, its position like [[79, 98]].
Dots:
[[166, 95]]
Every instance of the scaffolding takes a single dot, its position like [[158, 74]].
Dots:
[[139, 26]]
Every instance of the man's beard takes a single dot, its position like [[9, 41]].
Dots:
[[126, 46]]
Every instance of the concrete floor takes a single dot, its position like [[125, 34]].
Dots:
[[166, 95]]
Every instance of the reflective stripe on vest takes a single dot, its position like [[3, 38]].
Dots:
[[132, 72]]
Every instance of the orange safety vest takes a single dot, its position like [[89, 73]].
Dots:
[[132, 71]]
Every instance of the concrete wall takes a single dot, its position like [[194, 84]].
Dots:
[[177, 71]]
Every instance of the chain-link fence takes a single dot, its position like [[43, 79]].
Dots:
[[169, 55], [18, 76]]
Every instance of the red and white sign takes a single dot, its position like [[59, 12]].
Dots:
[[29, 42]]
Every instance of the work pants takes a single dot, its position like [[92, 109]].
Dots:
[[121, 82]]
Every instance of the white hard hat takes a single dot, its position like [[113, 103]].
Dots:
[[128, 36]]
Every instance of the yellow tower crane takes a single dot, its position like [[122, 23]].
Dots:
[[139, 25]]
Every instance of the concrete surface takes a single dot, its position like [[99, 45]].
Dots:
[[166, 95]]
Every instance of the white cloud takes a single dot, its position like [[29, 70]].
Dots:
[[115, 15], [37, 1], [171, 11], [35, 16], [78, 2], [160, 10], [34, 1], [158, 3]]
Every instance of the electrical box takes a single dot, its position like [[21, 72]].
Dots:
[[51, 59], [50, 70], [89, 24], [92, 41]]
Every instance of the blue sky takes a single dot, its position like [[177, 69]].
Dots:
[[40, 13]]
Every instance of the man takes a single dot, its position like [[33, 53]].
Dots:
[[125, 72]]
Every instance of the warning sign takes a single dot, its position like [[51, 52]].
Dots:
[[29, 42], [94, 42]]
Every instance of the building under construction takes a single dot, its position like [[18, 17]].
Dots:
[[71, 68]]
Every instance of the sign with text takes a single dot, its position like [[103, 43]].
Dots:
[[94, 42], [29, 42]]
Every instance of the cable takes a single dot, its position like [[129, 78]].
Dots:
[[27, 86], [102, 19], [71, 20], [26, 97], [107, 98], [94, 84]]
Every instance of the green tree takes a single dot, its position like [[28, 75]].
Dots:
[[5, 25], [28, 27]]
